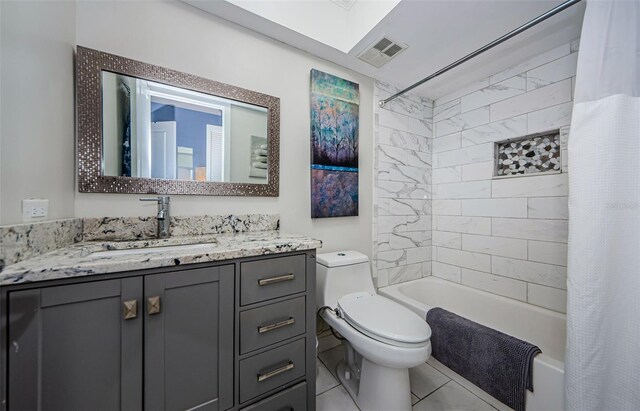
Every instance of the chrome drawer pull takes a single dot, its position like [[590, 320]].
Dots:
[[272, 280], [267, 375], [265, 328]]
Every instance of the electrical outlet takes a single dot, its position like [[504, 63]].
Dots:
[[34, 209]]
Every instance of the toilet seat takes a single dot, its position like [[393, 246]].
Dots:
[[384, 320]]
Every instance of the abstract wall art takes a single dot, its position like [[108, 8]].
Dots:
[[334, 146]]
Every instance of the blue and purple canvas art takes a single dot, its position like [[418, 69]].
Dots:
[[334, 146]]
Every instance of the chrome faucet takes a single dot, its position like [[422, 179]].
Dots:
[[163, 217]]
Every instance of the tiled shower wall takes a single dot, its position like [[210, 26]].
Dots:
[[507, 236], [402, 188]]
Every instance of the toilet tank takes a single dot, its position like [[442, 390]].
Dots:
[[339, 274]]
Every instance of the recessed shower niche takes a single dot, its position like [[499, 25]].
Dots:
[[532, 154]]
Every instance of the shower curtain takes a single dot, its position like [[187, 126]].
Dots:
[[603, 309]]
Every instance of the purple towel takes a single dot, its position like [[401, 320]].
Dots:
[[496, 362]]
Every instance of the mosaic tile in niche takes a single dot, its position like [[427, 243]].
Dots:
[[529, 155]]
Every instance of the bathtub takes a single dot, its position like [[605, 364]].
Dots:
[[542, 327]]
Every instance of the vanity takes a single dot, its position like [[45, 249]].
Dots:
[[224, 323]]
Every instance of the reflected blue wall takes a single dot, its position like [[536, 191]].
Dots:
[[191, 127]]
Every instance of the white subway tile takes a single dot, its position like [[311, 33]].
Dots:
[[418, 255], [465, 259], [446, 143], [529, 229], [393, 120], [495, 92], [446, 271], [462, 91], [547, 297], [533, 62], [575, 45], [470, 189], [560, 69], [446, 207], [463, 121], [495, 284], [543, 274], [447, 175], [543, 97], [505, 247], [450, 109], [548, 207], [552, 185], [495, 207], [401, 206], [496, 131], [547, 252], [468, 225], [421, 127], [478, 171], [403, 139], [404, 273], [399, 189], [391, 224], [447, 239], [467, 155], [402, 173], [426, 269], [550, 118], [406, 106], [392, 258], [392, 155]]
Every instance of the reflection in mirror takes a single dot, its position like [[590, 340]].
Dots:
[[154, 130]]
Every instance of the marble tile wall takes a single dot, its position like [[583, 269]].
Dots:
[[506, 236], [402, 188]]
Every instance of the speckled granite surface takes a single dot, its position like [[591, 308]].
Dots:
[[81, 259], [140, 228], [23, 241]]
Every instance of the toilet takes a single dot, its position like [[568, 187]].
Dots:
[[383, 339]]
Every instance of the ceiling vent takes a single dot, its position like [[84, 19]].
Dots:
[[380, 52], [345, 4]]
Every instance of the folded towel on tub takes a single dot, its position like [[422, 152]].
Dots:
[[496, 362]]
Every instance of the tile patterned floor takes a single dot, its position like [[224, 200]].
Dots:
[[434, 387]]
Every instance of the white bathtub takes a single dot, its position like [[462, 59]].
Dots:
[[539, 326]]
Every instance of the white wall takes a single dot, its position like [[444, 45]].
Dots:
[[507, 236], [402, 194], [245, 122], [183, 38], [37, 132]]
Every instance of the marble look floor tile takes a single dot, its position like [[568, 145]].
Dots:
[[324, 380], [336, 399], [425, 379], [331, 358], [452, 397], [327, 341], [467, 384]]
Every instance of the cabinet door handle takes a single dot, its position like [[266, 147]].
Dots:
[[266, 328], [153, 305], [272, 280], [277, 371], [130, 309]]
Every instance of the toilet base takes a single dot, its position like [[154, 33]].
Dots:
[[379, 388]]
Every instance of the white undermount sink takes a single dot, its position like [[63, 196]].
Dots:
[[149, 250]]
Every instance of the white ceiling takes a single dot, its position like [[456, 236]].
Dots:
[[438, 32]]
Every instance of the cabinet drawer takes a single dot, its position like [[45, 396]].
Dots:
[[271, 369], [294, 399], [276, 277], [262, 326]]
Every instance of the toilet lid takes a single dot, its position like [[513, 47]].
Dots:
[[383, 319]]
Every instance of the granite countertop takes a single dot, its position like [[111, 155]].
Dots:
[[91, 258]]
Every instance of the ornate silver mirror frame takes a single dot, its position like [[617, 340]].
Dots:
[[89, 66]]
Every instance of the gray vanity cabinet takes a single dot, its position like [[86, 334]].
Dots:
[[69, 347], [188, 348]]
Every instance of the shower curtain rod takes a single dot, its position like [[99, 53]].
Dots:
[[484, 48]]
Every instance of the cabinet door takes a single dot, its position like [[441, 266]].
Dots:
[[71, 348], [189, 339]]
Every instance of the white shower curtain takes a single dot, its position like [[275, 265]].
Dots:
[[603, 312]]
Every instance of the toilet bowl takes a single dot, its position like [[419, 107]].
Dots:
[[383, 339]]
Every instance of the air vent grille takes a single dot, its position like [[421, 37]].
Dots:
[[381, 51]]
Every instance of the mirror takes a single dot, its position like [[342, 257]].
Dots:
[[148, 129], [153, 130]]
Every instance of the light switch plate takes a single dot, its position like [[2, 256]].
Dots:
[[34, 209]]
